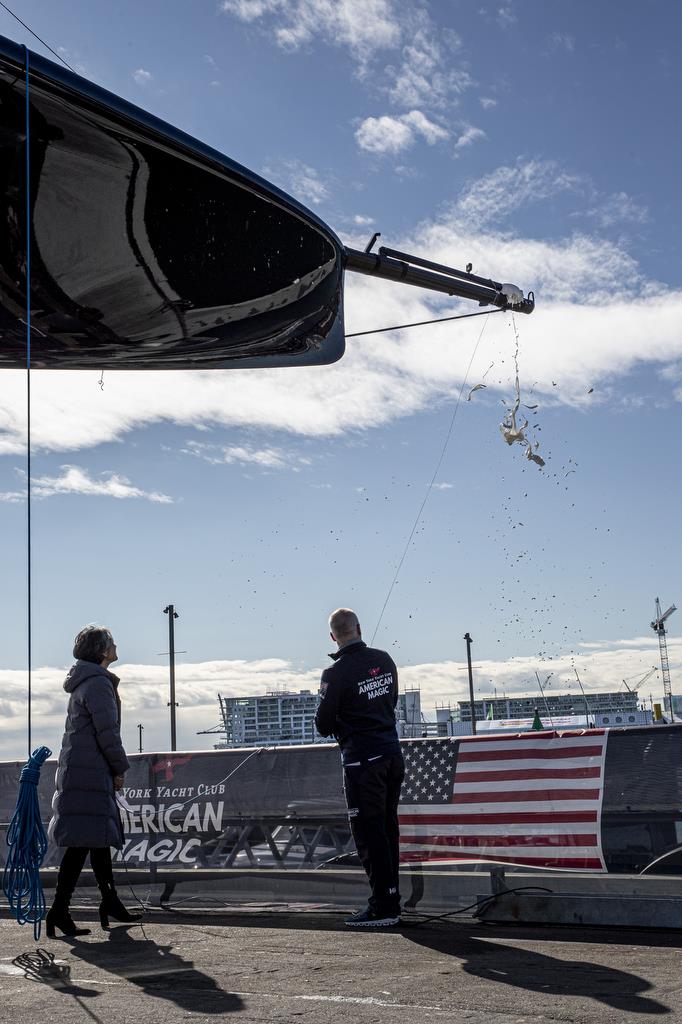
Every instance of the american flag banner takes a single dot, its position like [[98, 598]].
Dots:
[[530, 798]]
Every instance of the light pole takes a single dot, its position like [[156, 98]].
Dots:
[[471, 684], [170, 611], [140, 729]]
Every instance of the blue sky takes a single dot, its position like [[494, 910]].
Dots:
[[535, 139]]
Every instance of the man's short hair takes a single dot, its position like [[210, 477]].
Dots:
[[92, 643], [344, 623]]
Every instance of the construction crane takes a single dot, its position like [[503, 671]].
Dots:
[[647, 675], [658, 626], [221, 727]]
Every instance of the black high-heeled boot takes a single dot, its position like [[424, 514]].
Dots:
[[111, 906], [58, 916]]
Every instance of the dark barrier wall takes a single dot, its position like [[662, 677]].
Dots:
[[595, 800]]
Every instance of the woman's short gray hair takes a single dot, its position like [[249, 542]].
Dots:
[[92, 643]]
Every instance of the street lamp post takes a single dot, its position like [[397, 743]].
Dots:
[[469, 642], [170, 611]]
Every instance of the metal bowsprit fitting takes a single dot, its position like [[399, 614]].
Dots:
[[401, 266]]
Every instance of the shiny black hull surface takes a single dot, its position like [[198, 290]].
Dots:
[[147, 249]]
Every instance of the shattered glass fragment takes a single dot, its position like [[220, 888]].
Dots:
[[530, 454], [476, 387], [511, 431]]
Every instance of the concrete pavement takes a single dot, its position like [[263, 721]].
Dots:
[[299, 962]]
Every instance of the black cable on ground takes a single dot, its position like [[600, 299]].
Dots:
[[175, 907], [481, 903]]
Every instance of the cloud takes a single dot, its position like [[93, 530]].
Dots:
[[469, 136], [618, 208], [506, 16], [266, 458], [601, 670], [429, 130], [362, 221], [142, 77], [390, 135], [487, 102], [443, 487], [603, 315], [74, 480], [300, 179], [422, 73], [250, 10], [507, 188], [426, 75], [144, 688], [362, 26], [384, 135], [75, 63], [560, 41]]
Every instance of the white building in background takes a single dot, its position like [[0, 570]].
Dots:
[[610, 703], [287, 718], [408, 714], [278, 718], [448, 726], [561, 711]]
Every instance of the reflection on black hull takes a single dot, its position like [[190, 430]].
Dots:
[[147, 249]]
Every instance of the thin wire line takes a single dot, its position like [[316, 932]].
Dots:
[[35, 34], [423, 323], [28, 397], [430, 486]]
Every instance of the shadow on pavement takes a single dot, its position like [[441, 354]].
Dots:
[[496, 962], [160, 972], [307, 920], [39, 965], [157, 970], [537, 972]]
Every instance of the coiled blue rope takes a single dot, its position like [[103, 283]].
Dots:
[[27, 842]]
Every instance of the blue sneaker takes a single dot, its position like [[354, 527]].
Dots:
[[371, 919]]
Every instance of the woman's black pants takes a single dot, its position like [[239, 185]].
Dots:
[[72, 865], [373, 793]]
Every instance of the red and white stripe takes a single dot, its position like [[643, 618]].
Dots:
[[523, 799]]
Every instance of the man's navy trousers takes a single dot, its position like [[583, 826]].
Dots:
[[372, 791]]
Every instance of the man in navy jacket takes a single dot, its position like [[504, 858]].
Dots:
[[358, 695]]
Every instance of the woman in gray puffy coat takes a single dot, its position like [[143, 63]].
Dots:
[[92, 764]]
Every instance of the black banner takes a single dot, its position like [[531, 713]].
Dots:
[[284, 806]]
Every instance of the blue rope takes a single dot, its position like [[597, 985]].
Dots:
[[27, 842]]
